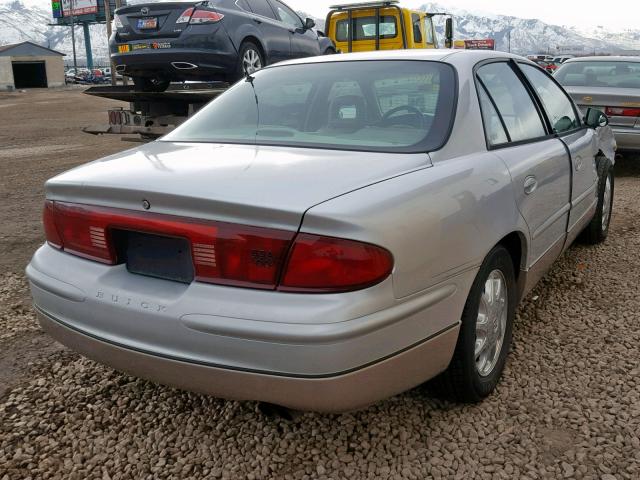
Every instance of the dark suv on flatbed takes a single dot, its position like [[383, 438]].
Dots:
[[157, 43]]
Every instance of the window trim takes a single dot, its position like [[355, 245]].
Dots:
[[510, 63], [576, 112]]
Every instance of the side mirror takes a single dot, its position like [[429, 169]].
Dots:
[[448, 32], [594, 118], [309, 23]]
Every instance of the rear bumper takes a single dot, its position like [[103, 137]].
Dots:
[[337, 393], [209, 60], [311, 352], [627, 138]]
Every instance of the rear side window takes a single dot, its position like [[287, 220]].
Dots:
[[515, 106], [556, 103], [261, 7], [287, 15], [599, 74], [493, 127], [364, 28], [417, 32]]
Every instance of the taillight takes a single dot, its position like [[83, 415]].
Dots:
[[185, 16], [327, 264], [50, 230], [225, 253], [205, 16], [193, 16], [84, 232], [622, 112]]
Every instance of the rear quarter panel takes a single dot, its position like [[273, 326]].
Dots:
[[438, 222]]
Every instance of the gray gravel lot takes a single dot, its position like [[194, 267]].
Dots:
[[568, 405]]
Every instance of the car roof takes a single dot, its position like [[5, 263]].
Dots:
[[439, 55], [617, 58]]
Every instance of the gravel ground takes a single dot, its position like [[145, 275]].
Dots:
[[568, 405]]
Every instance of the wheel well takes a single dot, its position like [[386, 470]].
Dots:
[[515, 245], [257, 43]]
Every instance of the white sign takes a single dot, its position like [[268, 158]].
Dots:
[[79, 7]]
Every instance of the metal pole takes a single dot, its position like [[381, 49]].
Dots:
[[87, 45], [125, 80], [107, 16], [73, 39]]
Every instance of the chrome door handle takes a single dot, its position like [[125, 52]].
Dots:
[[530, 185]]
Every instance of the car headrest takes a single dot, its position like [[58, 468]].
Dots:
[[347, 112]]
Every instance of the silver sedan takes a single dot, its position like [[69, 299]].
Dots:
[[329, 232], [612, 85]]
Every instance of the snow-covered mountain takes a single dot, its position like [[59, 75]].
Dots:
[[20, 21], [535, 36]]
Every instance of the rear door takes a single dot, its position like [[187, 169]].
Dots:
[[537, 161], [304, 42], [275, 35], [579, 140]]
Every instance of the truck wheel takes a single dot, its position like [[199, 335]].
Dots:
[[598, 230], [485, 333], [146, 84], [250, 60]]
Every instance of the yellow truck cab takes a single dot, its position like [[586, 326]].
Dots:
[[382, 25]]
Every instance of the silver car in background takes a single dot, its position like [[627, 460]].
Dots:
[[329, 232], [609, 84]]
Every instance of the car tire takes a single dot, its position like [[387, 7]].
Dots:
[[149, 84], [250, 59], [475, 369], [598, 229], [329, 51]]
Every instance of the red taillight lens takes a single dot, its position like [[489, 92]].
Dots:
[[229, 254], [225, 253], [185, 16], [326, 264], [49, 222], [84, 232], [622, 112], [205, 16]]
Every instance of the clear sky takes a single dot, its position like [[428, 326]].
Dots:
[[612, 14]]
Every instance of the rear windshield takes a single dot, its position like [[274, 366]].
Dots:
[[392, 106], [364, 28], [599, 74]]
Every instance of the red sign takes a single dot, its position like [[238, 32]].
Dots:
[[485, 44]]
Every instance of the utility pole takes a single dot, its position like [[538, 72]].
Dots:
[[125, 80], [107, 15], [73, 38]]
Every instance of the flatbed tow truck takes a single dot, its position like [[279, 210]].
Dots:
[[151, 115]]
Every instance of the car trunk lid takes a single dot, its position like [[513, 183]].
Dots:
[[251, 185], [153, 20], [612, 101]]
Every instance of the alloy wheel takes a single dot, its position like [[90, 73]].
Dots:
[[491, 323], [251, 61], [606, 204]]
